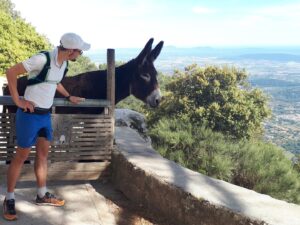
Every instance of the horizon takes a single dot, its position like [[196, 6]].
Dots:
[[213, 47]]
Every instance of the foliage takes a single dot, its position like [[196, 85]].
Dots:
[[264, 168], [297, 163], [131, 103], [103, 66], [18, 41], [194, 147], [163, 81], [219, 98], [7, 7], [82, 64], [201, 101], [255, 165]]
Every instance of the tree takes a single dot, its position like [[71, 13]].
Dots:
[[82, 64], [8, 7], [18, 41], [218, 98]]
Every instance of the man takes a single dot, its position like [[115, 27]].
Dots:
[[33, 119]]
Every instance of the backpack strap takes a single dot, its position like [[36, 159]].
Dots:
[[66, 70], [41, 77]]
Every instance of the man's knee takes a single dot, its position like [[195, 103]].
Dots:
[[41, 156], [42, 148], [21, 154]]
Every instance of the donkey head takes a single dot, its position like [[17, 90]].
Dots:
[[144, 84]]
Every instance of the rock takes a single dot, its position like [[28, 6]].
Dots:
[[132, 119]]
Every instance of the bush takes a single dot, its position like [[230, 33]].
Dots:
[[197, 148], [264, 168], [218, 98], [254, 165], [82, 64]]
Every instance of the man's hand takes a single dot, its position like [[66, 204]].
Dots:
[[25, 105], [75, 99]]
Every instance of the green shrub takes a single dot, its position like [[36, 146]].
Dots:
[[260, 166], [194, 147], [218, 98], [264, 168]]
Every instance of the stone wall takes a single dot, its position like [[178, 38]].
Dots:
[[185, 197]]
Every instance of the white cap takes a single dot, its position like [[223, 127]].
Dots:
[[74, 41]]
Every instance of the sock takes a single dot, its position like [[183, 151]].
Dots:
[[10, 195], [41, 191]]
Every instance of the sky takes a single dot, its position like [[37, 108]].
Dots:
[[180, 23]]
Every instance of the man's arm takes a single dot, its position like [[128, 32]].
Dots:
[[74, 99], [11, 75]]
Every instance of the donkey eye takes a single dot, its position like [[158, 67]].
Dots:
[[146, 77]]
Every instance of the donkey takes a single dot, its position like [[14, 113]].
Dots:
[[137, 77]]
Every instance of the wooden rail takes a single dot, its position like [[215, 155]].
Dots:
[[7, 100]]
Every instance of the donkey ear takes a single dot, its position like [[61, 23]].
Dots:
[[156, 51], [145, 52]]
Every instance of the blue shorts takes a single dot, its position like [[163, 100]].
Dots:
[[30, 126]]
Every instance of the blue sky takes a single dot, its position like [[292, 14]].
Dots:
[[181, 23]]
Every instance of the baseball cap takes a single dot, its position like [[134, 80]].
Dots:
[[74, 41]]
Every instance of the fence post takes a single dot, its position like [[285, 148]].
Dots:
[[111, 84]]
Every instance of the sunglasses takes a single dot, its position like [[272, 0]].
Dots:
[[78, 50]]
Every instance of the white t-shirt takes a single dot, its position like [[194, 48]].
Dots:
[[42, 94]]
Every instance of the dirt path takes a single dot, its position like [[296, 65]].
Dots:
[[87, 203], [123, 210]]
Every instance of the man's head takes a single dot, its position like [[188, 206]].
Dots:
[[73, 45]]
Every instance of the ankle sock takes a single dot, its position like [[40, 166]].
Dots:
[[10, 195], [41, 191]]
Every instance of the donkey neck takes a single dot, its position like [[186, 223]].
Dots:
[[124, 76]]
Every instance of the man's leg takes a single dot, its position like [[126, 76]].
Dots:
[[15, 167], [13, 174], [40, 168], [40, 164]]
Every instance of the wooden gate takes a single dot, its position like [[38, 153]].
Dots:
[[82, 144]]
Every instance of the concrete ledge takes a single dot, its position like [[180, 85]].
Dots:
[[185, 197]]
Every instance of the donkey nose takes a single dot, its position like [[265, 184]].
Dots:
[[154, 101], [154, 98]]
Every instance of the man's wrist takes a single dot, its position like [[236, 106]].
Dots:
[[68, 97]]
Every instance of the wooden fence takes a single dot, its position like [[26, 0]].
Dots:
[[82, 144]]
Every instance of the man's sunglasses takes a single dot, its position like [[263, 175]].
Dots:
[[78, 50]]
